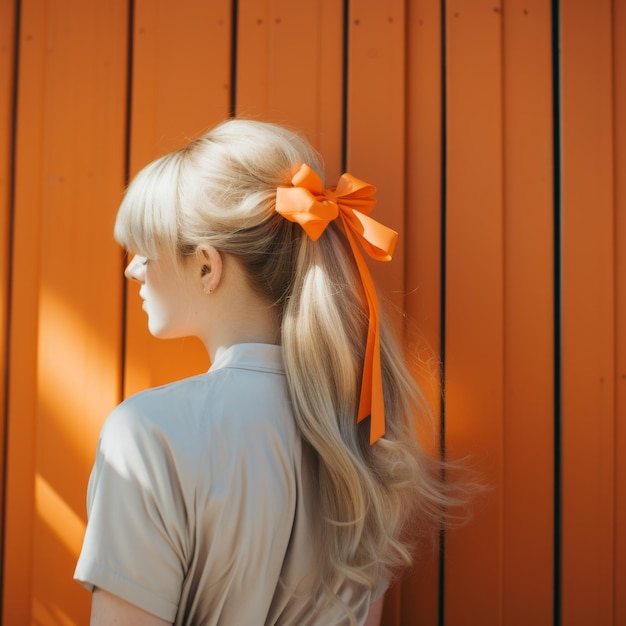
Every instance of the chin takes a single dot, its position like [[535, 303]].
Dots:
[[163, 335], [161, 332]]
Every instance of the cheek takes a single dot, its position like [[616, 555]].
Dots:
[[174, 312], [163, 321]]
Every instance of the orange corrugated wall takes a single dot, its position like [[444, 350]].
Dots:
[[496, 134]]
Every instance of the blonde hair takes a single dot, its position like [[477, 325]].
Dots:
[[374, 501]]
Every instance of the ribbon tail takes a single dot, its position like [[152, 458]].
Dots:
[[371, 402]]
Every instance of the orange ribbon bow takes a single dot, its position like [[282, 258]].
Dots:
[[308, 204]]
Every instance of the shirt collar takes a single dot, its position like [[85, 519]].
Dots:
[[256, 356]]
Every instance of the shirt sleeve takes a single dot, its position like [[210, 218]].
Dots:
[[135, 541]]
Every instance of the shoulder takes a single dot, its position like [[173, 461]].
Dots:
[[242, 372], [241, 400], [154, 421], [145, 410]]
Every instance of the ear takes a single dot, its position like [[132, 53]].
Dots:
[[210, 268]]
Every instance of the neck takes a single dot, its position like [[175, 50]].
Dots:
[[238, 314], [266, 331]]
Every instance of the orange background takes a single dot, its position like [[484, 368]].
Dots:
[[496, 134]]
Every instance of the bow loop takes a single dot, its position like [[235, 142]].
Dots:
[[354, 193], [352, 200]]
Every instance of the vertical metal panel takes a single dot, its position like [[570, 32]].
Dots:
[[619, 126], [65, 337], [528, 461], [375, 142], [289, 70], [475, 299], [423, 215], [181, 73], [588, 421], [7, 121], [181, 87], [20, 462]]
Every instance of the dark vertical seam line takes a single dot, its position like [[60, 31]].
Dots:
[[9, 300], [344, 86], [234, 26], [558, 491], [127, 131], [442, 304], [616, 277], [406, 187]]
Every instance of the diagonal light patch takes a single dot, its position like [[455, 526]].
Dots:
[[58, 515]]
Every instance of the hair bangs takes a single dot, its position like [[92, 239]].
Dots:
[[146, 222]]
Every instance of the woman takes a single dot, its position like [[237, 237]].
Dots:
[[277, 488]]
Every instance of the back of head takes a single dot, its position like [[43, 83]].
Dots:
[[220, 190]]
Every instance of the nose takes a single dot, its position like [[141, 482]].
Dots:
[[136, 269]]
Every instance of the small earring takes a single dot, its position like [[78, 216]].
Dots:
[[207, 291]]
